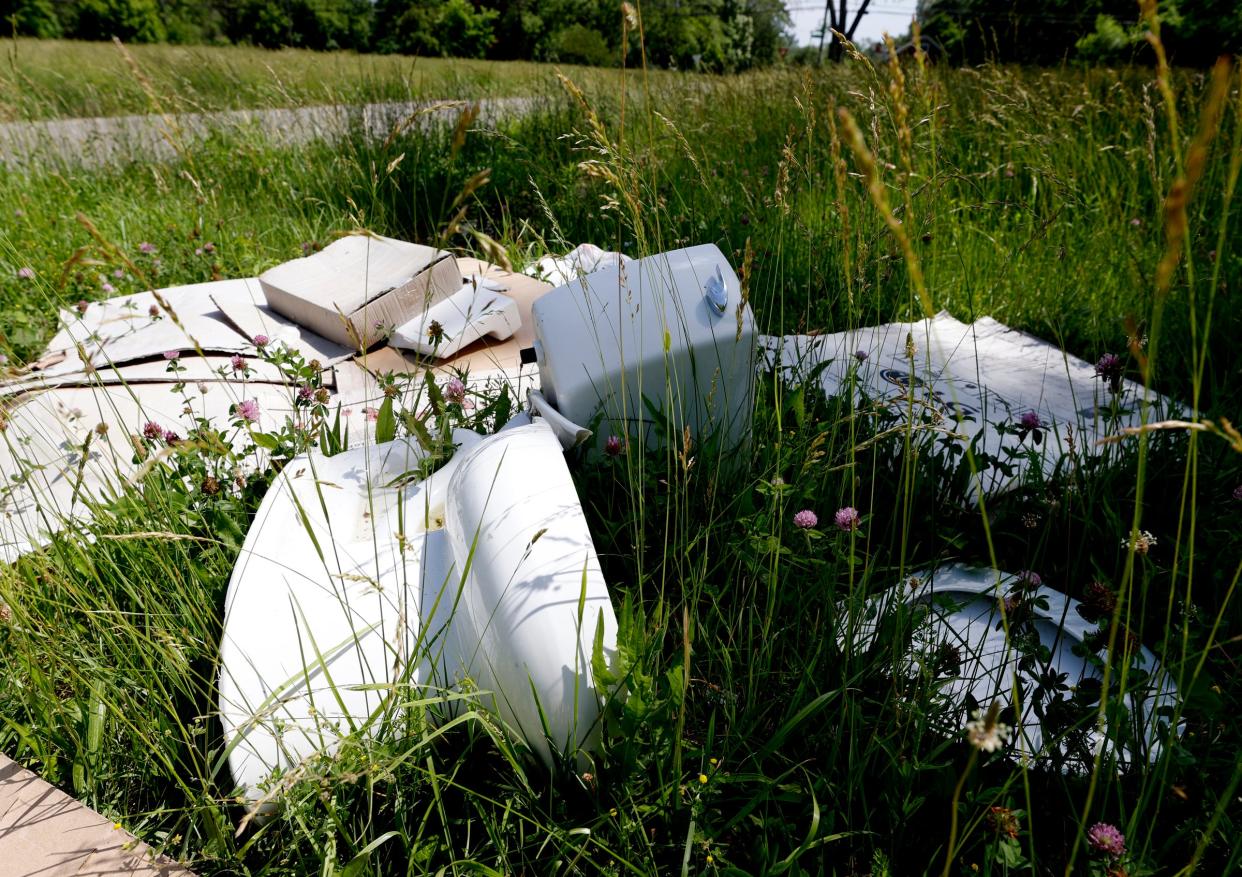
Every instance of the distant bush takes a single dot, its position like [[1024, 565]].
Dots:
[[579, 44], [1108, 31], [454, 28], [189, 22], [136, 21], [466, 32], [1109, 40], [309, 24], [34, 18]]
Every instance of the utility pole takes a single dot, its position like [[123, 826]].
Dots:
[[823, 29]]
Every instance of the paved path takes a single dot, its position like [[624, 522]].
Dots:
[[113, 139], [45, 832]]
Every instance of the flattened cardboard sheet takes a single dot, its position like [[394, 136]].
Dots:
[[125, 329], [53, 456], [193, 369], [255, 317]]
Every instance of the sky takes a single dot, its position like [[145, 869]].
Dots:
[[882, 15]]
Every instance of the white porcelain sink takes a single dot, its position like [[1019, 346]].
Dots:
[[353, 594]]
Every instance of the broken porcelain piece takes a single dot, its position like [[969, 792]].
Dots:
[[360, 588], [967, 378], [479, 309], [582, 259], [657, 345], [963, 630], [568, 433]]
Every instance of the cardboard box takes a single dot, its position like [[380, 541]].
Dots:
[[359, 287]]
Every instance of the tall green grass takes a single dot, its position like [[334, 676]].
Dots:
[[750, 739]]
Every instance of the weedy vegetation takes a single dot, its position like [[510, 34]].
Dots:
[[742, 732]]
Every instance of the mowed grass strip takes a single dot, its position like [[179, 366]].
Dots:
[[49, 79]]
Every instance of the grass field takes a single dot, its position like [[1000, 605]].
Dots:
[[45, 79], [1037, 197]]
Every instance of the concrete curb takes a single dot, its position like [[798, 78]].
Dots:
[[96, 142]]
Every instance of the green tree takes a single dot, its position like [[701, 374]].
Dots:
[[971, 31], [579, 44], [454, 28], [32, 18], [311, 24], [721, 35], [773, 30], [136, 21], [259, 23], [467, 31], [534, 28], [332, 24]]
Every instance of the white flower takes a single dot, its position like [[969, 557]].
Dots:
[[985, 733], [1143, 543]]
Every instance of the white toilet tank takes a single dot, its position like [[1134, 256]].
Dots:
[[666, 338]]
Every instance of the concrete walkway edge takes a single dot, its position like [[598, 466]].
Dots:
[[46, 833], [95, 142]]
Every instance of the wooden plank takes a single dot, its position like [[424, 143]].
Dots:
[[43, 831]]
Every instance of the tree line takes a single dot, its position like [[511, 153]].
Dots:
[[724, 35], [1194, 32], [715, 35]]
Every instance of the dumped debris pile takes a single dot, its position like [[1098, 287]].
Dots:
[[382, 562], [175, 358]]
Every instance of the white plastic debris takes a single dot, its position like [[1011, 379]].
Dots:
[[649, 340], [967, 377], [568, 433], [582, 259], [479, 309], [361, 587], [962, 639]]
